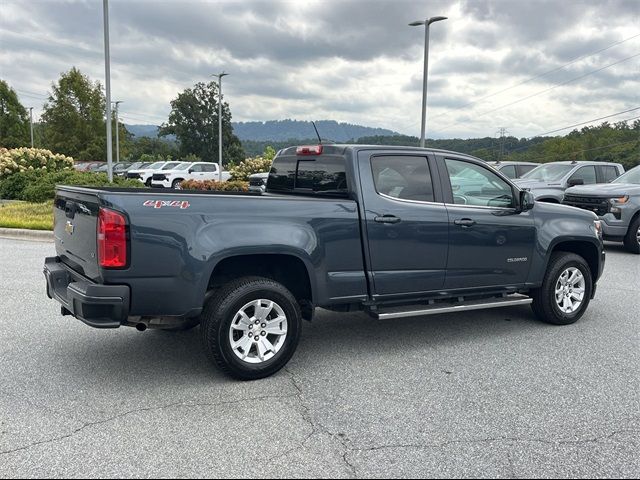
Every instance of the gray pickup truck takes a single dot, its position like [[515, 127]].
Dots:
[[617, 204], [549, 181], [391, 231]]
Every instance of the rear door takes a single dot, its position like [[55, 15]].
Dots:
[[75, 231], [210, 171], [490, 244], [405, 223]]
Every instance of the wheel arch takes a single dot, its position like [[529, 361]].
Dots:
[[588, 250]]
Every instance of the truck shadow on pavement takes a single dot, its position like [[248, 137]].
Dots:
[[157, 356]]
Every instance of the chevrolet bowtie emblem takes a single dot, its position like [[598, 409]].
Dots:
[[69, 227]]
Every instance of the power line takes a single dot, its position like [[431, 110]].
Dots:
[[544, 74], [588, 121], [545, 90]]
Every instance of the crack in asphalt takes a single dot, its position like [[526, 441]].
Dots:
[[140, 410], [425, 446]]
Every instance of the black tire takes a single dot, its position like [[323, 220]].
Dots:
[[544, 303], [632, 238], [176, 183], [220, 311], [148, 182]]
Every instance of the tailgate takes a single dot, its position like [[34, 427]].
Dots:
[[75, 224]]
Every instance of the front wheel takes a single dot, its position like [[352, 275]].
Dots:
[[176, 185], [251, 327], [566, 290], [632, 238]]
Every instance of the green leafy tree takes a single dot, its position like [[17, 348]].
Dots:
[[14, 120], [194, 122], [74, 117], [151, 146]]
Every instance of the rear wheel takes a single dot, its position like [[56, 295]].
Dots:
[[251, 327], [566, 290], [632, 238]]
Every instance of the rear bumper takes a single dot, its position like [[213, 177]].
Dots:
[[99, 306]]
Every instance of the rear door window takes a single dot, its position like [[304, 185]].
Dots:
[[403, 177], [522, 169], [609, 174]]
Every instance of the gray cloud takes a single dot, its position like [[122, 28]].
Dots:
[[354, 61]]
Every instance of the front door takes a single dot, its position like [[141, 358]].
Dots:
[[490, 243], [405, 224]]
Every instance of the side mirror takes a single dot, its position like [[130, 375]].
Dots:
[[191, 170], [527, 200], [575, 181]]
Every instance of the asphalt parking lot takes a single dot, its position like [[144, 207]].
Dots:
[[490, 394]]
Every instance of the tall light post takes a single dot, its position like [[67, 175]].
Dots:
[[426, 24], [117, 131], [31, 124], [220, 75], [107, 74]]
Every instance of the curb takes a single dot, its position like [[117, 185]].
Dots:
[[23, 234]]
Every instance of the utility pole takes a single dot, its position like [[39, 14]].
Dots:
[[107, 74], [503, 135], [220, 75], [117, 131], [31, 124], [427, 23]]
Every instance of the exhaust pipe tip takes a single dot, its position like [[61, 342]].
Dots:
[[141, 327]]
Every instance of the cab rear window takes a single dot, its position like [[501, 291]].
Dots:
[[321, 175]]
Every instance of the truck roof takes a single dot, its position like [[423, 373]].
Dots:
[[341, 148]]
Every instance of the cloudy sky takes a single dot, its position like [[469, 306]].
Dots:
[[352, 61]]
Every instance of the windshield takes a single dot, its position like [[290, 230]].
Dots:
[[155, 166], [552, 172], [183, 166], [632, 176]]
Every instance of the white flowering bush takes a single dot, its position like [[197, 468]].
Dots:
[[249, 167], [32, 159]]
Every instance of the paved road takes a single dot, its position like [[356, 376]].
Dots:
[[493, 394]]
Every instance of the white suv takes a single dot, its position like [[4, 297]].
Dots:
[[187, 171], [145, 174]]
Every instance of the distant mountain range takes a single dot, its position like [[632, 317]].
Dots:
[[281, 130]]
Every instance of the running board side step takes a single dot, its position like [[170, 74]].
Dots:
[[438, 308]]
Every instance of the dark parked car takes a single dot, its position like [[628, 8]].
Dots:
[[514, 169], [391, 231], [548, 182], [617, 204]]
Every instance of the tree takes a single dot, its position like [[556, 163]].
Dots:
[[74, 117], [194, 122], [151, 146], [14, 121]]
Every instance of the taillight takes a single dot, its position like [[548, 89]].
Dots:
[[309, 150], [112, 239]]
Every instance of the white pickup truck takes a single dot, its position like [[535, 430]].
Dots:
[[187, 171]]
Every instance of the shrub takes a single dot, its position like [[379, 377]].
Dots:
[[213, 185], [249, 167], [30, 159], [39, 186]]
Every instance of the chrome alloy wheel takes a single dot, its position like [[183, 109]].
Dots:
[[258, 331], [638, 235], [570, 290]]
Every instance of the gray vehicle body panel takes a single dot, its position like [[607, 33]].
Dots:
[[349, 257]]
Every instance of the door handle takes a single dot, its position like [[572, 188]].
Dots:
[[387, 219], [465, 222]]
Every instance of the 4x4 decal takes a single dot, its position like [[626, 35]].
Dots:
[[181, 204]]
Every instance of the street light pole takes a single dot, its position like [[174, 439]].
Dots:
[[117, 131], [220, 75], [426, 24], [31, 124], [107, 74]]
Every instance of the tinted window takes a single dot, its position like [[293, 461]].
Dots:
[[476, 185], [509, 171], [407, 178], [609, 173], [321, 175], [522, 169], [586, 174], [209, 167], [196, 168]]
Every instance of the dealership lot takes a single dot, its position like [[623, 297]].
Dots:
[[492, 393]]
